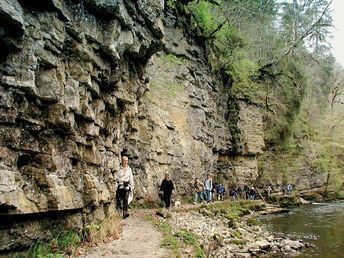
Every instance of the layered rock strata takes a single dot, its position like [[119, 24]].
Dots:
[[83, 83]]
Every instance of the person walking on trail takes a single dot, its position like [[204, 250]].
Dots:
[[214, 191], [221, 192], [167, 189], [199, 187], [269, 190], [233, 194], [289, 188], [239, 192], [253, 193], [283, 190], [247, 192], [125, 184], [208, 186]]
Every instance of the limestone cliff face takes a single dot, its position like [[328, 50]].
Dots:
[[83, 83]]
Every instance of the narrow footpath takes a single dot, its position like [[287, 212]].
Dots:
[[139, 238]]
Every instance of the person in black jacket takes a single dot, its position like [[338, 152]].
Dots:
[[247, 192], [253, 193], [239, 192], [167, 188]]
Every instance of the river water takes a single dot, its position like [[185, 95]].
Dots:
[[319, 224]]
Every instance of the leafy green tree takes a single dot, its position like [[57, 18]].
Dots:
[[274, 53]]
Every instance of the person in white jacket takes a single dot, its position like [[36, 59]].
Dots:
[[208, 186], [125, 184]]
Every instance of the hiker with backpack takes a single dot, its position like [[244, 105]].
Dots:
[[221, 192], [233, 194], [125, 185]]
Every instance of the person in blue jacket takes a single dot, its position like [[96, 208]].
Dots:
[[221, 192]]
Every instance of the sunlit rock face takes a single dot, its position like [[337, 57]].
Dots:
[[83, 83]]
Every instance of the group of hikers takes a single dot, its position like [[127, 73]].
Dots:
[[209, 191], [206, 190], [289, 189]]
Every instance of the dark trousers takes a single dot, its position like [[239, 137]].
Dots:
[[167, 199], [122, 199], [247, 195]]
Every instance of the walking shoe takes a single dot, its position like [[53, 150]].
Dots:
[[125, 215], [194, 203]]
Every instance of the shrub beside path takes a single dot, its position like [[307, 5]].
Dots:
[[139, 238]]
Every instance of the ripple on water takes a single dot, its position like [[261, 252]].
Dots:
[[321, 225]]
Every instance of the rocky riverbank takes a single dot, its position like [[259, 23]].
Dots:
[[305, 197], [229, 229]]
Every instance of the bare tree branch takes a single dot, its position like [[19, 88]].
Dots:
[[296, 40]]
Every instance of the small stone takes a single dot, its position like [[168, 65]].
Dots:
[[242, 255], [165, 213], [263, 244], [275, 249], [270, 238], [286, 248]]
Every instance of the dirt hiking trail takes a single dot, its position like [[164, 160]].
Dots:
[[139, 238]]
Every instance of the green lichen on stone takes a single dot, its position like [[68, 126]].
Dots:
[[237, 241], [172, 59], [172, 89], [168, 91], [253, 222], [233, 120]]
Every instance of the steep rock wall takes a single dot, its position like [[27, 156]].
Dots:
[[83, 83], [183, 125]]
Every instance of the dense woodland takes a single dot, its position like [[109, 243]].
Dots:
[[276, 54]]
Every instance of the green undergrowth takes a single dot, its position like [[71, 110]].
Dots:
[[67, 242], [340, 195], [178, 241], [333, 195], [144, 204], [102, 231], [171, 4], [63, 243], [172, 59], [182, 240]]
